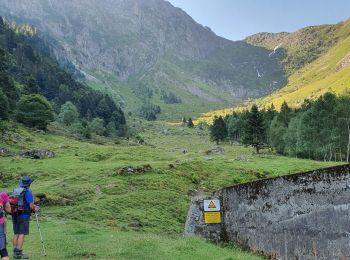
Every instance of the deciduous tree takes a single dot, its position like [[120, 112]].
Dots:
[[68, 113], [34, 111]]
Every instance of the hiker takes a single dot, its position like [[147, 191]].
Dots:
[[4, 208], [21, 218]]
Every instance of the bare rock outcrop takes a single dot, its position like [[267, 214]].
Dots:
[[344, 62], [215, 149], [4, 151], [37, 154]]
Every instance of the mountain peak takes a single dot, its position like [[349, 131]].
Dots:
[[154, 47], [146, 30]]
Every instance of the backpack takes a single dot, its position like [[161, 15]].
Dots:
[[2, 211], [17, 200]]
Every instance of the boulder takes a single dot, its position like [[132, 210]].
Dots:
[[344, 62], [129, 170], [241, 158], [16, 137], [215, 149], [4, 151], [37, 154]]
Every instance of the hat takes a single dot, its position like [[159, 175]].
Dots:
[[25, 182]]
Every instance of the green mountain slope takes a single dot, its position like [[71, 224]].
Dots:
[[153, 47], [302, 47], [329, 72], [28, 66]]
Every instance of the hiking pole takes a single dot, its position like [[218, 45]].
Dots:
[[41, 236]]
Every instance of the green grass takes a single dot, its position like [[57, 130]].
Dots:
[[143, 214], [75, 240]]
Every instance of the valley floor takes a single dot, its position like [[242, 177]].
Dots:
[[96, 210]]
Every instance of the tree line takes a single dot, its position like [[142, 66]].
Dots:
[[34, 89], [318, 130]]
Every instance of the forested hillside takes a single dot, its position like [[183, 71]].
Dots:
[[317, 130], [30, 78]]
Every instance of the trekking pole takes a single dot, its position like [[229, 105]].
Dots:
[[41, 236]]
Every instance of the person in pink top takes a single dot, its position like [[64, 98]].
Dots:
[[4, 207]]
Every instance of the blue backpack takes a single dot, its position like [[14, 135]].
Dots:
[[17, 200]]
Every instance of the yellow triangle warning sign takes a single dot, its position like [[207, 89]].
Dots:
[[211, 205]]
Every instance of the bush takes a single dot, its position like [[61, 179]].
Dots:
[[149, 111], [96, 126], [68, 113], [80, 130], [34, 111]]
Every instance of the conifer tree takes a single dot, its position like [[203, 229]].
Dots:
[[218, 131], [255, 130], [270, 114], [32, 86], [4, 106], [190, 123], [285, 114]]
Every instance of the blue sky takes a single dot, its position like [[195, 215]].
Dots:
[[236, 19]]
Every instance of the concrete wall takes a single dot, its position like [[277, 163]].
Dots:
[[195, 221], [301, 216]]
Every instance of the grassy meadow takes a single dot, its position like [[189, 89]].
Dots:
[[95, 211]]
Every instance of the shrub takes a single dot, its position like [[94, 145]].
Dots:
[[68, 113], [34, 111], [97, 127]]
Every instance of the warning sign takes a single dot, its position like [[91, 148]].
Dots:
[[211, 205], [212, 217]]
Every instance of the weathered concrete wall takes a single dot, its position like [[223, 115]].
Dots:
[[301, 216], [195, 221]]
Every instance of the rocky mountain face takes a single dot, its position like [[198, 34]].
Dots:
[[148, 40], [317, 59], [122, 37], [302, 47]]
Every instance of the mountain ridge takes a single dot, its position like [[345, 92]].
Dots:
[[127, 40], [302, 46], [327, 73]]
